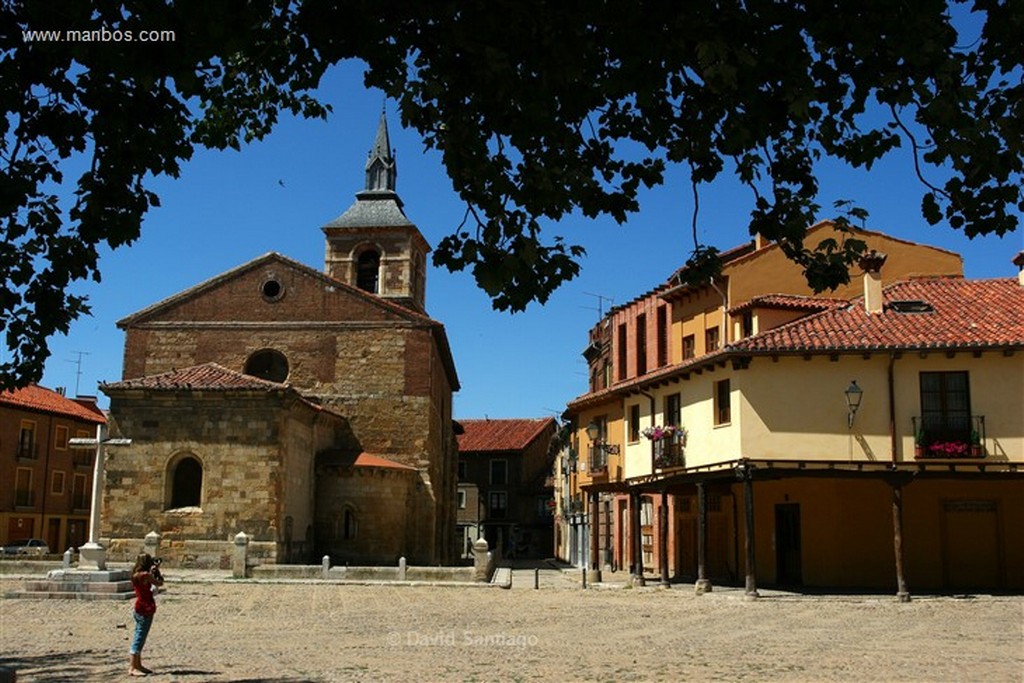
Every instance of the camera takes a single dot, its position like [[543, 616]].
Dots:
[[155, 570]]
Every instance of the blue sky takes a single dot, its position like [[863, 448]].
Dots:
[[230, 207]]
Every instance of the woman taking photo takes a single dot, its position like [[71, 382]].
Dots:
[[146, 578]]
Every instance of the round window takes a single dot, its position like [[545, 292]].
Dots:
[[272, 289]]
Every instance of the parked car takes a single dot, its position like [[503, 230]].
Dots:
[[27, 546]]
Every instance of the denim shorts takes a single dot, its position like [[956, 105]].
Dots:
[[142, 624]]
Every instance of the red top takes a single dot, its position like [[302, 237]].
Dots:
[[145, 604]]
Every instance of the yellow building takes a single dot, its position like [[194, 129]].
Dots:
[[761, 435]]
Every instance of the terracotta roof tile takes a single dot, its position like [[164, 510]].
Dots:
[[501, 435], [791, 302], [40, 399], [207, 377], [346, 459], [965, 314], [371, 460]]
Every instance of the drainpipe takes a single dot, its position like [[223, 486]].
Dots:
[[724, 325], [892, 410]]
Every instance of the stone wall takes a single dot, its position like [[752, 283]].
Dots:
[[256, 453], [381, 503]]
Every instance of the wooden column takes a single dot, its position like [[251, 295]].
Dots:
[[745, 472], [703, 585], [663, 538], [636, 540], [897, 537], [595, 537]]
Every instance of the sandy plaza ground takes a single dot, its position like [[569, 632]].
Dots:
[[218, 629]]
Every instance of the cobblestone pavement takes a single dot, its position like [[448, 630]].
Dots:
[[210, 628]]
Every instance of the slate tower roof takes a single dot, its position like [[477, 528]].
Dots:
[[377, 205]]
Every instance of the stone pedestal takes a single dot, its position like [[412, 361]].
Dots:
[[80, 584], [92, 557]]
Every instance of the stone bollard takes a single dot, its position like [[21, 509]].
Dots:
[[480, 560], [151, 544], [325, 567], [401, 569], [239, 561], [66, 562]]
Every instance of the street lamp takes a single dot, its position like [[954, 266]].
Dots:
[[594, 434], [92, 555], [854, 394]]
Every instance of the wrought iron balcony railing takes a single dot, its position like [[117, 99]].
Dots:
[[669, 452], [949, 436]]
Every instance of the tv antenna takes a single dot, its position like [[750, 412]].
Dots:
[[78, 367], [601, 299]]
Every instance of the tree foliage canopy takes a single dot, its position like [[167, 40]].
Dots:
[[539, 108]]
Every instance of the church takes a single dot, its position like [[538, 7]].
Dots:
[[311, 410]]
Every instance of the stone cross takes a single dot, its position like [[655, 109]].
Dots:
[[92, 555]]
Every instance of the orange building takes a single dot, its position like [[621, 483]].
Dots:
[[740, 401], [47, 486]]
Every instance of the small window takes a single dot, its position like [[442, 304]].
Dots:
[[349, 525], [186, 483], [711, 339], [747, 323], [368, 272], [672, 409], [462, 499], [634, 423], [641, 344], [499, 472], [267, 364], [27, 440], [23, 487], [79, 497], [723, 412], [662, 336], [622, 352], [60, 437], [57, 483], [689, 347], [498, 507]]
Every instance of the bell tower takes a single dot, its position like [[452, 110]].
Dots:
[[373, 245]]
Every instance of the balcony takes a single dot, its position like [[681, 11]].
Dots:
[[669, 452], [949, 437]]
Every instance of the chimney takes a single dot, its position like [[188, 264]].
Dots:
[[1018, 261], [872, 263], [759, 242]]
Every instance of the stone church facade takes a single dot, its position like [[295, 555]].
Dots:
[[311, 410]]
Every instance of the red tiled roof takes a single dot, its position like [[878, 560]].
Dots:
[[39, 399], [371, 460], [501, 435], [790, 302], [208, 377], [347, 458], [966, 314]]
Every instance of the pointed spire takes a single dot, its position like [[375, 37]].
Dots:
[[381, 171]]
